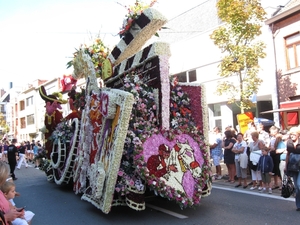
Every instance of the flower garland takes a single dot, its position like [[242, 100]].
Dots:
[[41, 156], [143, 126], [98, 53], [134, 12], [143, 121], [63, 131]]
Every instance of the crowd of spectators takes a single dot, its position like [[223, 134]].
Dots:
[[260, 153]]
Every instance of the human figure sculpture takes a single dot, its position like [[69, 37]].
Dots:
[[52, 116]]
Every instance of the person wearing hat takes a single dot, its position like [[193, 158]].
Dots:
[[293, 146], [157, 164], [52, 117]]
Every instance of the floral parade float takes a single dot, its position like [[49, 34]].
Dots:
[[140, 131]]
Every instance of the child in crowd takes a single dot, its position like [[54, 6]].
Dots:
[[265, 165], [35, 153], [9, 191]]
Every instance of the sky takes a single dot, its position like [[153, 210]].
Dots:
[[38, 37]]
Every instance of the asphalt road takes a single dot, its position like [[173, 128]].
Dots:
[[53, 204]]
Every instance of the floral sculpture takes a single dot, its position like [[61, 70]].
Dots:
[[183, 175], [98, 53], [133, 12], [141, 131]]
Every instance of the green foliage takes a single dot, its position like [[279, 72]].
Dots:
[[3, 125], [237, 39], [2, 120]]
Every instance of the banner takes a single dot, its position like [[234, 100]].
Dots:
[[243, 120]]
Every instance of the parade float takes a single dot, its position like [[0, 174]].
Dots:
[[132, 130]]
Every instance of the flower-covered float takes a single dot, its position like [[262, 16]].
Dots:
[[141, 131]]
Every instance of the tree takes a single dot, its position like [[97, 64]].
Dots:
[[3, 125], [241, 51]]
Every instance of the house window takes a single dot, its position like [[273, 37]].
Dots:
[[292, 44], [192, 76], [22, 105], [29, 101], [30, 119], [216, 109], [182, 77], [186, 77], [23, 123]]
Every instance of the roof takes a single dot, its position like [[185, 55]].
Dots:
[[292, 109], [290, 8], [5, 97], [291, 4]]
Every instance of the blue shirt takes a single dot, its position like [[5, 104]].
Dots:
[[217, 151], [282, 145]]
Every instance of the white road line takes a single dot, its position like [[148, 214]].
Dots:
[[255, 193], [180, 216]]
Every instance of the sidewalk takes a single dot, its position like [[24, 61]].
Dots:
[[223, 182]]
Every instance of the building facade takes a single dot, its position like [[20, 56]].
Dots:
[[284, 26], [195, 58]]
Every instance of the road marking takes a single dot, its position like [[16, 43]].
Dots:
[[255, 193], [180, 216]]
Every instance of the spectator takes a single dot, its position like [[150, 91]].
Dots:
[[255, 146], [9, 214], [22, 158], [9, 191], [263, 135], [35, 153], [274, 131], [265, 166], [293, 146], [227, 144], [216, 151], [32, 146], [5, 147], [247, 134], [29, 152], [239, 148], [12, 153], [280, 146]]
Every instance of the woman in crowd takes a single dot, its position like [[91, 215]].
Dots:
[[229, 155], [9, 214], [240, 150], [4, 152], [255, 146], [293, 146], [274, 132], [280, 146]]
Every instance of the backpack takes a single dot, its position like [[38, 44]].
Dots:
[[287, 187]]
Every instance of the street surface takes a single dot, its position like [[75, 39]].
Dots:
[[228, 205]]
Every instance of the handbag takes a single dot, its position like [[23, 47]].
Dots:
[[254, 158], [288, 187], [293, 163], [243, 159], [252, 166]]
